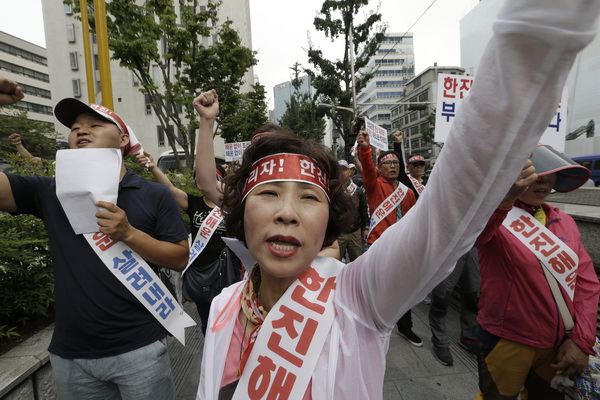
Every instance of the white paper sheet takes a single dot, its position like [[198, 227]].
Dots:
[[83, 177]]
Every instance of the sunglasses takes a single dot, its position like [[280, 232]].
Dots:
[[418, 164], [390, 162]]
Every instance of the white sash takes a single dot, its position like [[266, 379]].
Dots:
[[558, 258], [207, 229], [419, 187], [292, 337], [388, 205], [137, 276], [351, 188]]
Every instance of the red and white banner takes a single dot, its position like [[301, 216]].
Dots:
[[292, 337], [387, 206], [205, 232], [283, 167], [558, 258], [139, 278], [452, 89], [235, 151], [377, 135]]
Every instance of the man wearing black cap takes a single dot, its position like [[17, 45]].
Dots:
[[539, 292], [105, 343]]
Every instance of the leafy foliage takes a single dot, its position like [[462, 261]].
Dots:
[[26, 275], [168, 34], [303, 116], [333, 77], [38, 137]]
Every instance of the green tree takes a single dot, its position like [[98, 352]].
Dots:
[[303, 116], [250, 114], [332, 78], [39, 137], [153, 33]]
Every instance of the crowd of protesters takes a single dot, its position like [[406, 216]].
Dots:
[[332, 259]]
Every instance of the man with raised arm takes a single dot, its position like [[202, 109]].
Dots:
[[106, 343]]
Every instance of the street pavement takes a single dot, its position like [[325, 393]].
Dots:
[[412, 373]]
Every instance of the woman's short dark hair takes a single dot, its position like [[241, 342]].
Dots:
[[341, 207]]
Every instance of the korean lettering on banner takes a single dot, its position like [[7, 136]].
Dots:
[[452, 89], [308, 168], [293, 330], [561, 262], [235, 151], [377, 135], [210, 224], [138, 277]]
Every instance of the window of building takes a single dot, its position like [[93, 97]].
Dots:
[[424, 96], [68, 9], [148, 104], [76, 87], [30, 73], [74, 61], [96, 62], [161, 135], [136, 81], [71, 33], [24, 54], [33, 107]]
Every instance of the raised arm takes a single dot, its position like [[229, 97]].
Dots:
[[523, 72], [15, 138], [207, 107], [10, 92], [402, 177], [147, 161]]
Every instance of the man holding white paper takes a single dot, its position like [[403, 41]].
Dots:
[[107, 342]]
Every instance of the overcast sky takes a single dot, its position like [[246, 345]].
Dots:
[[280, 30]]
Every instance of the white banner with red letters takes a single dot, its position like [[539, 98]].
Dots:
[[139, 278], [207, 229], [558, 258], [292, 337], [235, 151], [452, 89], [387, 206], [377, 135], [419, 187]]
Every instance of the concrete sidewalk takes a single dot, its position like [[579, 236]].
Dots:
[[412, 373]]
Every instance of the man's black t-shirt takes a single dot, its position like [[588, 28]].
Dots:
[[96, 316]]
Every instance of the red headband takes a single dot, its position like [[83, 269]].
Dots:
[[259, 135], [286, 167], [416, 159], [387, 157]]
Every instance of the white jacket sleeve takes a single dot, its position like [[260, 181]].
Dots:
[[515, 94]]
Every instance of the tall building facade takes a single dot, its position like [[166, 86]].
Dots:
[[583, 84], [282, 94], [66, 62], [416, 122], [393, 66], [27, 64]]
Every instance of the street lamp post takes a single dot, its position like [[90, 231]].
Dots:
[[345, 135]]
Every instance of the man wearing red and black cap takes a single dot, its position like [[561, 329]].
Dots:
[[105, 343], [382, 188]]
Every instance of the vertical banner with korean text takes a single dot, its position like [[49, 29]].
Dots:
[[452, 89], [235, 151], [377, 135], [137, 276], [292, 337]]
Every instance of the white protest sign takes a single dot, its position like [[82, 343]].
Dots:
[[452, 89], [83, 177], [377, 135], [235, 151]]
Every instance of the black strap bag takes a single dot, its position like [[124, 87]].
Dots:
[[204, 283]]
